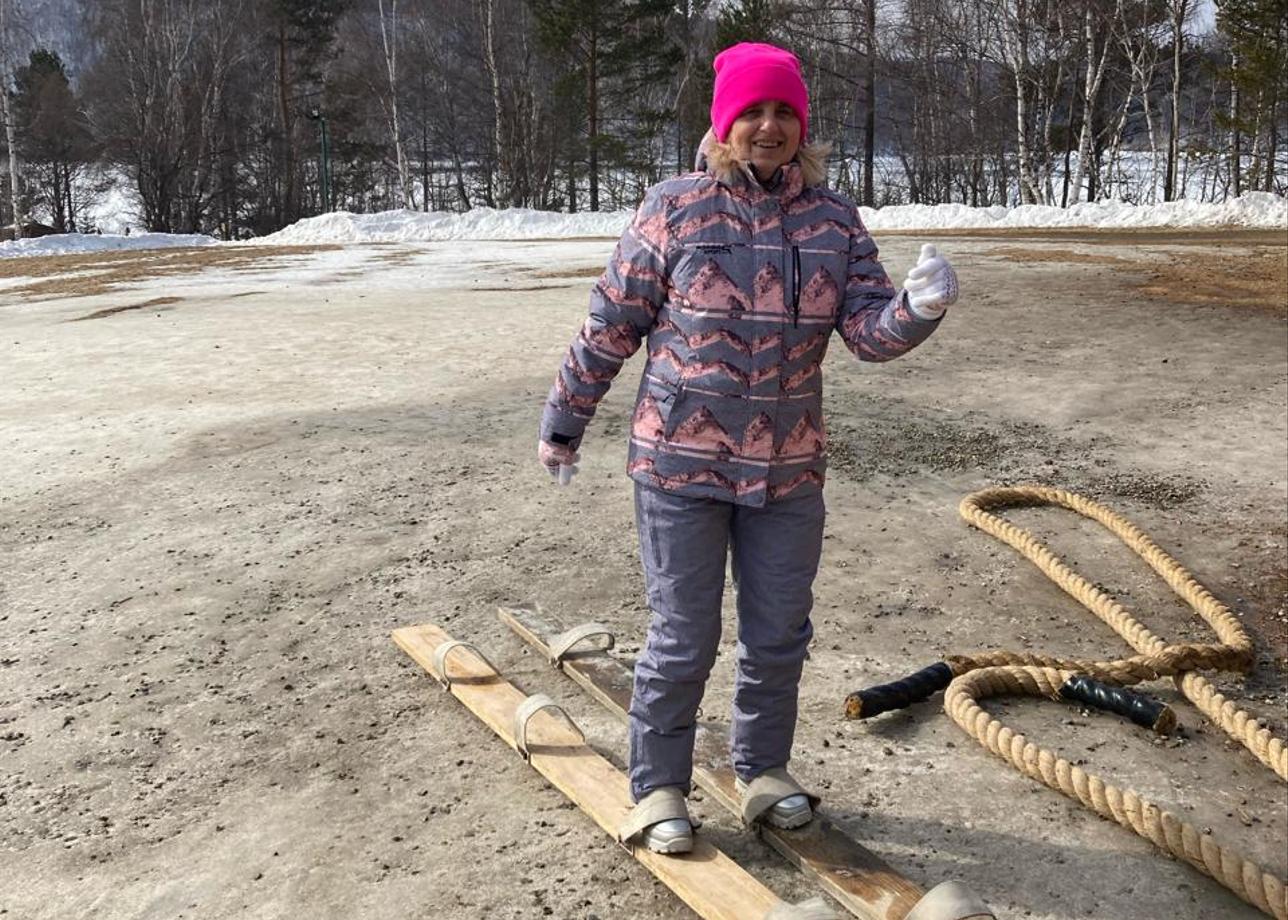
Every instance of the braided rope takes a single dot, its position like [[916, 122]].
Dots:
[[998, 673]]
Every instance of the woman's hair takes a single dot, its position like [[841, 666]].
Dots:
[[722, 160]]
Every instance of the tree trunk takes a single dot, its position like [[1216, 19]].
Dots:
[[1179, 9], [11, 138], [10, 131], [1068, 144], [461, 192], [389, 38], [71, 200], [572, 185], [592, 106], [1015, 43], [498, 102], [424, 164], [1090, 93], [870, 117], [1236, 139], [1115, 146], [290, 194], [1272, 143]]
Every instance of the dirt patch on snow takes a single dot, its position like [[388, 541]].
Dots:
[[1256, 277], [1036, 254], [111, 311], [582, 271], [90, 274]]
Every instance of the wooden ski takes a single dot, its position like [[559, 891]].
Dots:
[[855, 876], [707, 880]]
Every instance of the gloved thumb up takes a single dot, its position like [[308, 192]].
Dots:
[[931, 286]]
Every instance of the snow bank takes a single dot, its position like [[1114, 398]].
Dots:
[[1256, 210], [476, 224], [64, 243]]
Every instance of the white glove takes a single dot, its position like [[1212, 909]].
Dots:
[[560, 462], [931, 285]]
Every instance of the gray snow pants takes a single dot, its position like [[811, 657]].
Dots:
[[684, 543]]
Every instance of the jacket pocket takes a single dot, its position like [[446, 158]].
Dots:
[[654, 408], [822, 276], [714, 278]]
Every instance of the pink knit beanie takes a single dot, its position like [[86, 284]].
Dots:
[[751, 72]]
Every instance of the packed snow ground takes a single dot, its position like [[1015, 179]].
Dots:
[[63, 243], [1255, 210]]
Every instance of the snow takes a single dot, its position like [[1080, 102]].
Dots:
[[115, 209], [475, 224], [64, 243], [1254, 210], [1257, 210]]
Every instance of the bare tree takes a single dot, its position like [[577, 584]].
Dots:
[[1013, 21], [9, 55], [1095, 57], [487, 10], [1178, 12], [389, 40], [1135, 25]]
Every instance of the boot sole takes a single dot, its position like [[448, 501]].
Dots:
[[791, 821], [671, 847]]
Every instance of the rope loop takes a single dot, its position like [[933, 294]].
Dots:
[[1000, 672]]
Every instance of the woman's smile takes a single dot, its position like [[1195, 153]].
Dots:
[[766, 135]]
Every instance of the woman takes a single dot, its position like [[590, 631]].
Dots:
[[737, 274]]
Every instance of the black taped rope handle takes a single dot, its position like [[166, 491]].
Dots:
[[1141, 708], [914, 688]]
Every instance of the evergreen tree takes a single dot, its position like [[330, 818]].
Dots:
[[1257, 33], [623, 57], [303, 34], [56, 140]]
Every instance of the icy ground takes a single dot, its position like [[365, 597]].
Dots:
[[1259, 210], [230, 472]]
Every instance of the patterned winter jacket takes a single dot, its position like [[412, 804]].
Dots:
[[737, 290]]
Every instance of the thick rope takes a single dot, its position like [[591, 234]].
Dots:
[[1008, 673]]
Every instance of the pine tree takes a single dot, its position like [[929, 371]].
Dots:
[[1257, 33], [56, 138], [622, 55], [304, 31]]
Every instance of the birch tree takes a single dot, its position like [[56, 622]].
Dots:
[[1178, 13], [1135, 25], [9, 55], [1096, 56], [1013, 24], [389, 41]]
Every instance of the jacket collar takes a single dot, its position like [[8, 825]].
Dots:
[[742, 181]]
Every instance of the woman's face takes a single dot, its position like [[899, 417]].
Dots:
[[767, 135]]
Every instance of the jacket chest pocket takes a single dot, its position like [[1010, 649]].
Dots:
[[821, 281], [714, 279]]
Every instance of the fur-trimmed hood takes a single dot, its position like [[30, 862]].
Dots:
[[720, 160]]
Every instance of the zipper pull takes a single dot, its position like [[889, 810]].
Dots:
[[796, 286]]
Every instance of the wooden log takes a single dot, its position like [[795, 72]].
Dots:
[[855, 876], [707, 880]]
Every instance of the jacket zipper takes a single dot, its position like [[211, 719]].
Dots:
[[796, 286]]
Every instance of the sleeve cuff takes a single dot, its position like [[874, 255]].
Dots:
[[929, 314], [561, 428]]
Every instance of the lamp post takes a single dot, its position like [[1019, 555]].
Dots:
[[316, 115]]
